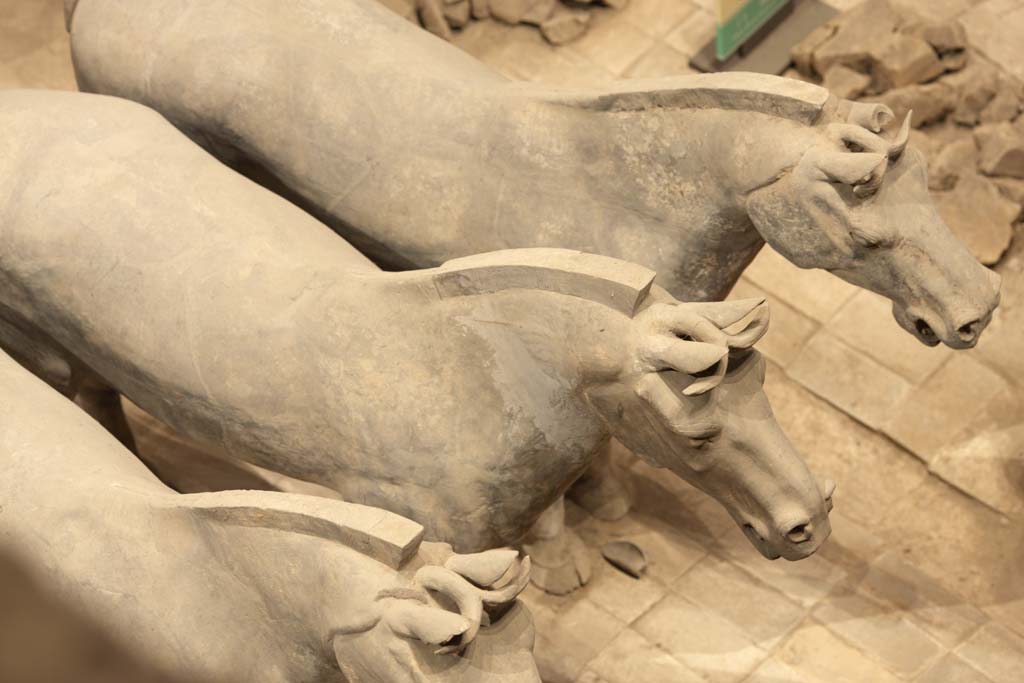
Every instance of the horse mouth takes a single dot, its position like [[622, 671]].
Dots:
[[759, 542]]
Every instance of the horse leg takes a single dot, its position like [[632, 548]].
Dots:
[[601, 490], [103, 404], [560, 563]]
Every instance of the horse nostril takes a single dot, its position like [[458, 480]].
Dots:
[[924, 329], [799, 533], [969, 331]]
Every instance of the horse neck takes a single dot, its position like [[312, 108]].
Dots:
[[677, 178]]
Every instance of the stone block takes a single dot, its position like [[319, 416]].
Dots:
[[509, 11], [849, 379], [996, 652], [943, 36], [631, 658], [996, 26], [789, 331], [936, 411], [930, 102], [883, 634], [457, 13], [1003, 152], [705, 642], [845, 82], [945, 616], [763, 613], [979, 215], [816, 653], [565, 27], [975, 86], [866, 324], [955, 159], [1005, 106], [855, 34], [899, 60], [837, 446], [813, 292], [952, 669]]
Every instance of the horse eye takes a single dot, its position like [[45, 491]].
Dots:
[[865, 240], [852, 146], [701, 442]]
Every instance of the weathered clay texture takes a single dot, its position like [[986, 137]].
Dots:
[[417, 153], [466, 397], [245, 585]]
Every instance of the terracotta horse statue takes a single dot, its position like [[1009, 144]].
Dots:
[[466, 397], [416, 153], [246, 585]]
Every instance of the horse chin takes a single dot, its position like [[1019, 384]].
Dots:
[[759, 542]]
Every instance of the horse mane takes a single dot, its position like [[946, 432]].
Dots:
[[738, 91], [608, 281], [376, 533]]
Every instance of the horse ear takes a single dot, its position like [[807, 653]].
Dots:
[[725, 313], [429, 625], [850, 168], [753, 331], [899, 143]]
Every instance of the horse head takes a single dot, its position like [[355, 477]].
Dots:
[[688, 397], [857, 204]]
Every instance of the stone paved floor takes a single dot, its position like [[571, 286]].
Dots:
[[920, 581]]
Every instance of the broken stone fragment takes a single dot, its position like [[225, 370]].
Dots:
[[944, 36], [803, 52], [954, 61], [615, 4], [1012, 189], [980, 216], [1002, 153], [480, 9], [976, 85], [844, 82], [899, 60], [954, 160], [856, 31], [509, 11], [930, 102], [565, 27], [432, 17], [1006, 104], [539, 12], [457, 13], [625, 556]]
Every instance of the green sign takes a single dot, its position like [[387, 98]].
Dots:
[[740, 19]]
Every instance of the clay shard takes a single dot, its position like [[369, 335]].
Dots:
[[626, 556]]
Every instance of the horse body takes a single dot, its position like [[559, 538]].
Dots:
[[416, 153], [256, 586], [467, 397]]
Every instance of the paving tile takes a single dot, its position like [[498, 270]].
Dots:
[[880, 631], [805, 582], [1001, 345], [946, 616], [1009, 612], [996, 652], [693, 32], [570, 636], [848, 379], [852, 545], [938, 409], [631, 658], [865, 322], [965, 547], [656, 17], [620, 594], [613, 45], [989, 466], [27, 26], [763, 613], [871, 471], [813, 292], [818, 654], [789, 329], [659, 61], [705, 642], [772, 670], [567, 69], [952, 669], [519, 52]]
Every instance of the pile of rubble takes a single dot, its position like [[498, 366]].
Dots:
[[559, 21], [967, 111]]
